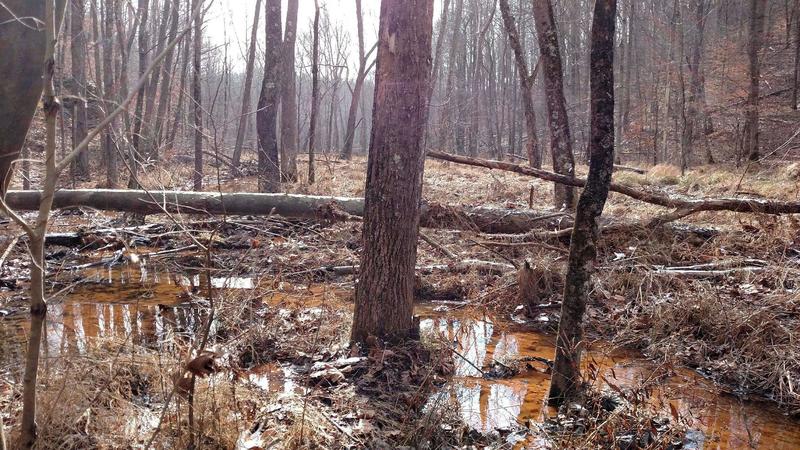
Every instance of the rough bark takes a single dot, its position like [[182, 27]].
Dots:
[[289, 98], [565, 380], [312, 127], [241, 130], [560, 137], [108, 144], [22, 45], [526, 83], [757, 8], [80, 168], [197, 97], [384, 298], [269, 171]]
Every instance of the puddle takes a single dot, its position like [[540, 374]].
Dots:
[[153, 308], [719, 421]]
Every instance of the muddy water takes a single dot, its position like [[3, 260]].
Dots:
[[154, 308], [717, 421]]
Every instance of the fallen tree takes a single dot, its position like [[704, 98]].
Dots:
[[684, 206], [485, 219]]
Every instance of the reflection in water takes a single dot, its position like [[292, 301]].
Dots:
[[721, 421], [149, 308]]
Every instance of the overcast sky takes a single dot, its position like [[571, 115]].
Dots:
[[235, 17]]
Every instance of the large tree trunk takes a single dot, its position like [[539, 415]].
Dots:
[[757, 8], [526, 83], [560, 137], [384, 301], [244, 116], [22, 44], [566, 379], [166, 83], [289, 98], [269, 171]]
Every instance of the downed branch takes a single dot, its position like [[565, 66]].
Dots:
[[685, 205], [464, 266], [486, 219]]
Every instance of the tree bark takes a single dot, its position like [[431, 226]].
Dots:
[[560, 137], [108, 144], [566, 380], [757, 8], [23, 45], [289, 98], [350, 131], [312, 127], [384, 300], [269, 171], [80, 168], [486, 219], [244, 116], [526, 83], [197, 97]]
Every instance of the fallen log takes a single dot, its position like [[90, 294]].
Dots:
[[686, 205], [486, 219]]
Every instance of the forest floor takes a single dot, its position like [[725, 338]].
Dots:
[[670, 311]]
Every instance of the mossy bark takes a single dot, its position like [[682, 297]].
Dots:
[[566, 379]]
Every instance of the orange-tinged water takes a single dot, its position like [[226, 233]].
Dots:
[[152, 308]]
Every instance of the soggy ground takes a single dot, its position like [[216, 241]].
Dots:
[[711, 359], [500, 364]]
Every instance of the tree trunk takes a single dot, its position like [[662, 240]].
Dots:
[[244, 116], [350, 131], [560, 137], [566, 378], [108, 144], [269, 171], [143, 10], [80, 168], [289, 98], [23, 46], [486, 219], [796, 81], [197, 97], [384, 300], [757, 8], [312, 127], [166, 84], [526, 83]]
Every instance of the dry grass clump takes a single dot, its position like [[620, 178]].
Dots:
[[665, 174], [606, 420], [744, 336]]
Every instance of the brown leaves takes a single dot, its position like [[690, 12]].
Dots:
[[203, 365]]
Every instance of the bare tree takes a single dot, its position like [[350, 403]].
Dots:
[[241, 130], [80, 168], [312, 127], [197, 97], [526, 82], [355, 98], [757, 8], [560, 137], [384, 299], [269, 173], [566, 380], [289, 97]]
